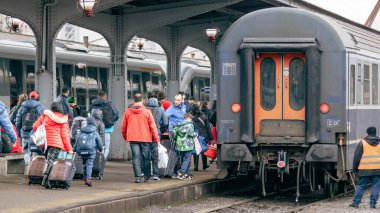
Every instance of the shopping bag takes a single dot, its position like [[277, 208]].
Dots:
[[163, 157], [197, 145], [39, 136], [211, 152], [203, 143]]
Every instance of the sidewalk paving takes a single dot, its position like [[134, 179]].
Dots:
[[118, 182]]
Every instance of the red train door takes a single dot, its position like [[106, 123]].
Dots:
[[279, 87]]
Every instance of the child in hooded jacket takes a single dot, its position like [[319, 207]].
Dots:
[[184, 135], [86, 146], [100, 127]]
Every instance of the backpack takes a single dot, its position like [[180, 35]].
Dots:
[[75, 129], [108, 116], [85, 144], [154, 111], [29, 116]]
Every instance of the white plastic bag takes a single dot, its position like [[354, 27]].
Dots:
[[198, 146], [163, 157], [39, 136]]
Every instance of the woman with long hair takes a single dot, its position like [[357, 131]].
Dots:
[[14, 110]]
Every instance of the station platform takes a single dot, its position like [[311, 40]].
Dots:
[[117, 192]]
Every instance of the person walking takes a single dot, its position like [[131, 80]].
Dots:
[[86, 146], [366, 165], [57, 136], [100, 128], [28, 113], [138, 128], [14, 110], [161, 122], [74, 107], [110, 116], [6, 124], [62, 98]]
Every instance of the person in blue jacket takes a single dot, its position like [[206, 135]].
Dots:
[[28, 113], [175, 112], [6, 124]]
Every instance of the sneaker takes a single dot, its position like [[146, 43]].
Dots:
[[137, 180], [189, 177], [354, 205], [183, 176], [142, 175], [156, 178], [146, 179], [88, 182], [373, 207]]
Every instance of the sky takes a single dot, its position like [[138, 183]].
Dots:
[[355, 10]]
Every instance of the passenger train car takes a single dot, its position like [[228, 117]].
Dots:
[[302, 89], [86, 72]]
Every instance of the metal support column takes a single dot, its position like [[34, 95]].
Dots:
[[173, 65]]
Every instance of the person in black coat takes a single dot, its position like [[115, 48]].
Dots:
[[201, 124]]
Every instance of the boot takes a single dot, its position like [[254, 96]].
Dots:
[[204, 162], [196, 160]]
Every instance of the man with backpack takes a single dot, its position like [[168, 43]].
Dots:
[[110, 116], [6, 125], [28, 113], [62, 98], [161, 122]]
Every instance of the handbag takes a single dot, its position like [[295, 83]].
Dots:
[[39, 136], [198, 147], [211, 152], [203, 143], [163, 157]]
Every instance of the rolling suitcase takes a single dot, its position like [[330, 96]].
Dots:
[[63, 172], [173, 158], [35, 170], [98, 166], [78, 162]]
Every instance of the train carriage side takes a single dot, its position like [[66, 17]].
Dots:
[[288, 70]]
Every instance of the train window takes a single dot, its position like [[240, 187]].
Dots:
[[67, 75], [30, 78], [103, 77], [268, 83], [136, 84], [297, 84], [366, 85], [93, 89], [81, 87], [155, 80], [375, 84], [352, 85], [207, 82], [359, 85], [146, 82], [15, 68]]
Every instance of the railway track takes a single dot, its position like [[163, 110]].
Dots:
[[275, 199]]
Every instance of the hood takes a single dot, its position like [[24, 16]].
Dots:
[[88, 129], [136, 109], [152, 102], [98, 102], [30, 103], [372, 140], [56, 116], [79, 118], [97, 114]]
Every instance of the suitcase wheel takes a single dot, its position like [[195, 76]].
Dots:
[[100, 177], [30, 182]]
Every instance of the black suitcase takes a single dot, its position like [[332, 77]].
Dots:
[[173, 160], [78, 162], [99, 164], [62, 173]]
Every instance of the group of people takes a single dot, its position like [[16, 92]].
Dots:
[[146, 119], [64, 124]]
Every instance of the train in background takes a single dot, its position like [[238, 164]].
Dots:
[[86, 72], [301, 89]]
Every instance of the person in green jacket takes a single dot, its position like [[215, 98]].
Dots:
[[184, 135]]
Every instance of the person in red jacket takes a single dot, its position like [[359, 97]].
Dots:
[[138, 128], [57, 136]]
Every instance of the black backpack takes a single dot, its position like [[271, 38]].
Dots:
[[29, 116], [108, 116], [85, 144]]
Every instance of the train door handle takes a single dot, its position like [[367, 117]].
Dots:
[[278, 83]]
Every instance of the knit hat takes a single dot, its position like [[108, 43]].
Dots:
[[371, 130], [71, 99]]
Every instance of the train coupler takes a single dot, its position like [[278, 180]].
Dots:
[[282, 163]]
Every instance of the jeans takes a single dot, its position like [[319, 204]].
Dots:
[[360, 188], [154, 156], [88, 163], [107, 142], [141, 158], [185, 157], [51, 156], [27, 151]]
